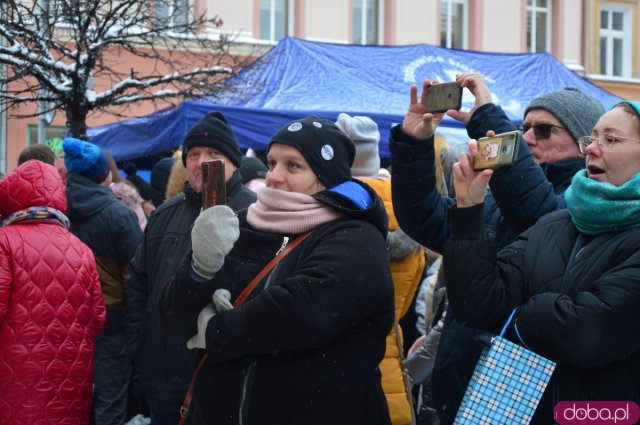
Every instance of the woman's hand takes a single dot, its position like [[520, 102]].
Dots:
[[470, 185], [474, 82], [417, 123]]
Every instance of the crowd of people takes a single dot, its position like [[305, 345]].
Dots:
[[326, 289]]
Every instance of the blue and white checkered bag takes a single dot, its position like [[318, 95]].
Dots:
[[506, 386]]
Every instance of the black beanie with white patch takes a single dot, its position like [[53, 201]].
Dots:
[[326, 148]]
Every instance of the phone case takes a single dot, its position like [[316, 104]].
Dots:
[[214, 188], [442, 97], [498, 151]]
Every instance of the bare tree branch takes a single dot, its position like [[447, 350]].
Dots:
[[75, 55]]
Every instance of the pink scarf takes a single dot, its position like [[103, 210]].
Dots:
[[279, 211]]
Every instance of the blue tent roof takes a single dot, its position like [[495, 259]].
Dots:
[[298, 78]]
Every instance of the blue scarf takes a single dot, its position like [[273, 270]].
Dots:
[[598, 208]]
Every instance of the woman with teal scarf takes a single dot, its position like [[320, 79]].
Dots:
[[574, 277]]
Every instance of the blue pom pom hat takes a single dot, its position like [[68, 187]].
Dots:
[[86, 159]]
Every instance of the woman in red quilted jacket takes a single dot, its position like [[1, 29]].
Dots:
[[51, 305]]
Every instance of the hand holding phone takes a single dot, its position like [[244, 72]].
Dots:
[[442, 97], [500, 150], [214, 187]]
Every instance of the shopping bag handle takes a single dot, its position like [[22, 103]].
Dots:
[[506, 325]]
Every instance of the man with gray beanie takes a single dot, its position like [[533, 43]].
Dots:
[[548, 158], [163, 368]]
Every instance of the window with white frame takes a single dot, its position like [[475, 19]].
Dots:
[[172, 13], [615, 41], [274, 19], [538, 26], [60, 11], [366, 21], [453, 24]]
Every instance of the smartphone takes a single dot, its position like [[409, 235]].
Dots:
[[500, 150], [214, 187], [442, 97]]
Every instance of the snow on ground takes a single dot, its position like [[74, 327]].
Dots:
[[139, 420]]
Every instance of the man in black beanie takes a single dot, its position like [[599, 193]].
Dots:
[[163, 368]]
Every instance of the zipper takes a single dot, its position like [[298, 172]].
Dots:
[[285, 241], [248, 377]]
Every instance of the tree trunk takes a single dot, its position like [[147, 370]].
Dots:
[[77, 123]]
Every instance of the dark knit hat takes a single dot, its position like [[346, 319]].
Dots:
[[578, 112], [252, 168], [213, 130], [326, 148], [85, 158]]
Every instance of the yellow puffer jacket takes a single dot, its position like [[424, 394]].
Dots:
[[407, 273]]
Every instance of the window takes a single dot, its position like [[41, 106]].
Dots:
[[365, 21], [60, 11], [538, 25], [171, 13], [273, 20], [453, 24], [615, 45], [53, 137]]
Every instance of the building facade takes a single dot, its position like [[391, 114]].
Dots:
[[596, 38]]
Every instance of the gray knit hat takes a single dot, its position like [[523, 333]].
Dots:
[[578, 112], [365, 135]]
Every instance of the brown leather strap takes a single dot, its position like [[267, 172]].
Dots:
[[256, 280], [186, 404]]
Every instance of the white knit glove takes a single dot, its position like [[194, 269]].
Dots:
[[221, 301], [212, 237]]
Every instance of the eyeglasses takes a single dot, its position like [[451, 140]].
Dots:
[[541, 131], [605, 141]]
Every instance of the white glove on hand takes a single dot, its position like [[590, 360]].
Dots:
[[221, 301], [214, 232]]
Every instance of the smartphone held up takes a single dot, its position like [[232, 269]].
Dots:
[[214, 189], [442, 97], [500, 150]]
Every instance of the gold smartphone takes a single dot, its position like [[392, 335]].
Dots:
[[500, 150]]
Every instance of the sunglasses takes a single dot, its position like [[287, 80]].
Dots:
[[541, 131]]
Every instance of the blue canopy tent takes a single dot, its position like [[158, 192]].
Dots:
[[298, 78]]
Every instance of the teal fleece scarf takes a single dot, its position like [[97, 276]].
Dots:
[[598, 208]]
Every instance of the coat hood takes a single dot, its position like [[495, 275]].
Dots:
[[374, 213], [33, 184], [86, 197]]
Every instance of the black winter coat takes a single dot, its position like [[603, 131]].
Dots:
[[163, 368], [588, 322], [305, 347], [109, 228]]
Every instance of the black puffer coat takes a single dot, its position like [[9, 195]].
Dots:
[[162, 367], [306, 349], [588, 322]]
